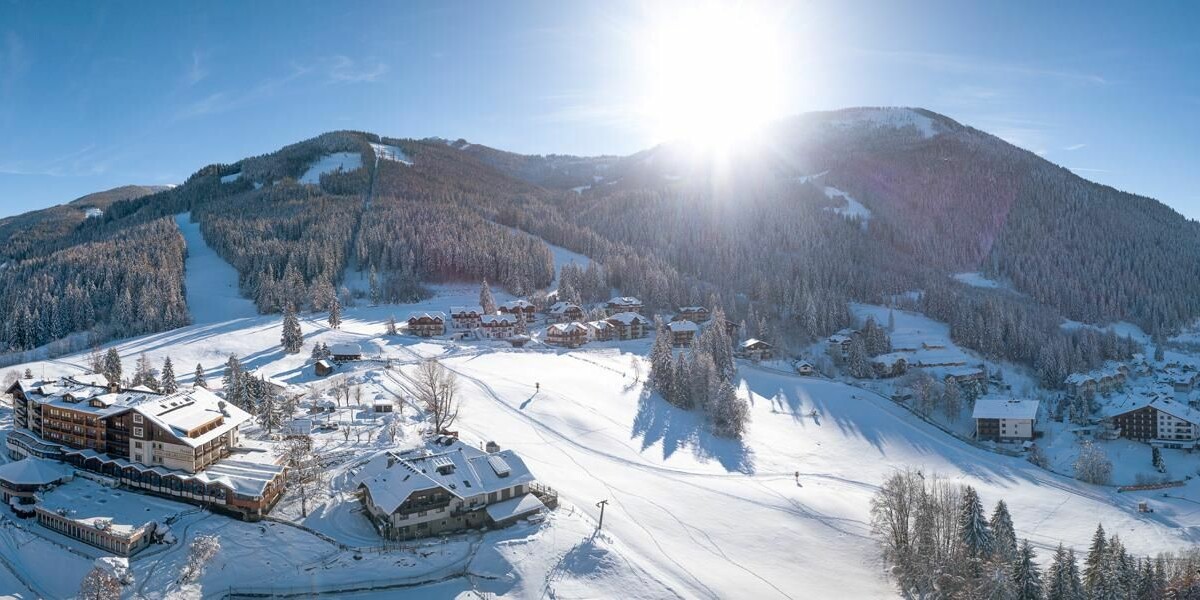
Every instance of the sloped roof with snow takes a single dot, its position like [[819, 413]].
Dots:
[[435, 315], [567, 328], [34, 471], [186, 410], [559, 308], [498, 320], [628, 318], [1004, 408], [624, 301], [515, 304], [460, 469], [466, 310], [1166, 405], [682, 326], [345, 349]]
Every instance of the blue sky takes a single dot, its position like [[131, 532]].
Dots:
[[95, 95]]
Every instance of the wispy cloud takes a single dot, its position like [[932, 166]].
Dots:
[[1074, 147], [86, 161], [198, 69], [224, 101], [343, 69]]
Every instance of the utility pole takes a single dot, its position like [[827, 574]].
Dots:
[[601, 505]]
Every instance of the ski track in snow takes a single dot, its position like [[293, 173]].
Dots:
[[212, 283]]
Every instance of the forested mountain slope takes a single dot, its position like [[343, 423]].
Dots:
[[861, 204]]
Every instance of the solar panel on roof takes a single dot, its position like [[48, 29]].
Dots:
[[499, 465]]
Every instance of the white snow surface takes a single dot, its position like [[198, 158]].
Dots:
[[977, 279], [393, 153], [889, 118], [92, 212], [853, 207], [212, 283], [338, 161], [231, 177]]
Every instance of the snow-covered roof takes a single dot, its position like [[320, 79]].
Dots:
[[599, 324], [752, 342], [466, 310], [513, 508], [628, 318], [890, 358], [682, 326], [345, 349], [624, 301], [460, 469], [34, 471], [683, 309], [326, 364], [561, 307], [498, 320], [91, 504], [436, 315], [1166, 405], [1004, 408], [187, 410], [515, 304], [567, 328]]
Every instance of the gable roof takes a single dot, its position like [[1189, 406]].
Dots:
[[345, 349], [1004, 408], [624, 301], [628, 318], [186, 410], [681, 326]]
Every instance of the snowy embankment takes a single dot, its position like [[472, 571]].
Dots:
[[212, 283], [338, 161], [392, 153]]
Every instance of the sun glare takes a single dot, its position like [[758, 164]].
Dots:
[[713, 74]]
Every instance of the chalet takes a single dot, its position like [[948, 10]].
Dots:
[[1160, 421], [839, 344], [497, 327], [450, 487], [892, 364], [569, 335], [323, 367], [682, 332], [971, 381], [465, 317], [695, 314], [1004, 420], [600, 331], [345, 352], [805, 369], [1080, 385], [427, 324], [629, 325], [176, 444], [1103, 381], [731, 329], [515, 307], [622, 304], [755, 350], [564, 312]]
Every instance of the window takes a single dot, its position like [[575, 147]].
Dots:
[[139, 432], [137, 457], [137, 417], [137, 444]]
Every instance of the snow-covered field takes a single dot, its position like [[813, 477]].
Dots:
[[783, 513], [853, 208], [212, 283], [393, 153], [338, 161]]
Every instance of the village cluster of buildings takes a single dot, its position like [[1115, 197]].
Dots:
[[911, 350], [182, 445]]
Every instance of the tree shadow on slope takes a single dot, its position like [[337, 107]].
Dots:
[[657, 421]]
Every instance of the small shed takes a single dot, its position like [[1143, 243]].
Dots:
[[345, 352], [323, 367], [805, 368], [382, 405]]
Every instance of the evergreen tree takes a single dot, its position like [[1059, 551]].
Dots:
[[112, 366], [391, 325], [1025, 575], [199, 377], [858, 363], [335, 313], [169, 384], [373, 282], [231, 381], [1005, 545], [486, 301], [292, 338], [973, 531], [662, 364], [1094, 563], [1062, 578], [143, 374], [1156, 459], [891, 326], [731, 414]]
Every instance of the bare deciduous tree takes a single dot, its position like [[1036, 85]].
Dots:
[[437, 391]]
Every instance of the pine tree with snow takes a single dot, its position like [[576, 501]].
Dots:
[[143, 374], [335, 313], [1062, 578], [662, 364], [391, 325], [486, 301], [1095, 561], [231, 381], [373, 283], [1092, 465], [198, 378], [522, 325], [112, 366], [681, 391], [858, 363], [1026, 577], [292, 337], [731, 413], [973, 530], [316, 353], [1156, 459], [326, 353], [891, 326], [270, 413], [169, 384], [1005, 544]]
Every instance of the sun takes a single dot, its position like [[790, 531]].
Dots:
[[713, 73]]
